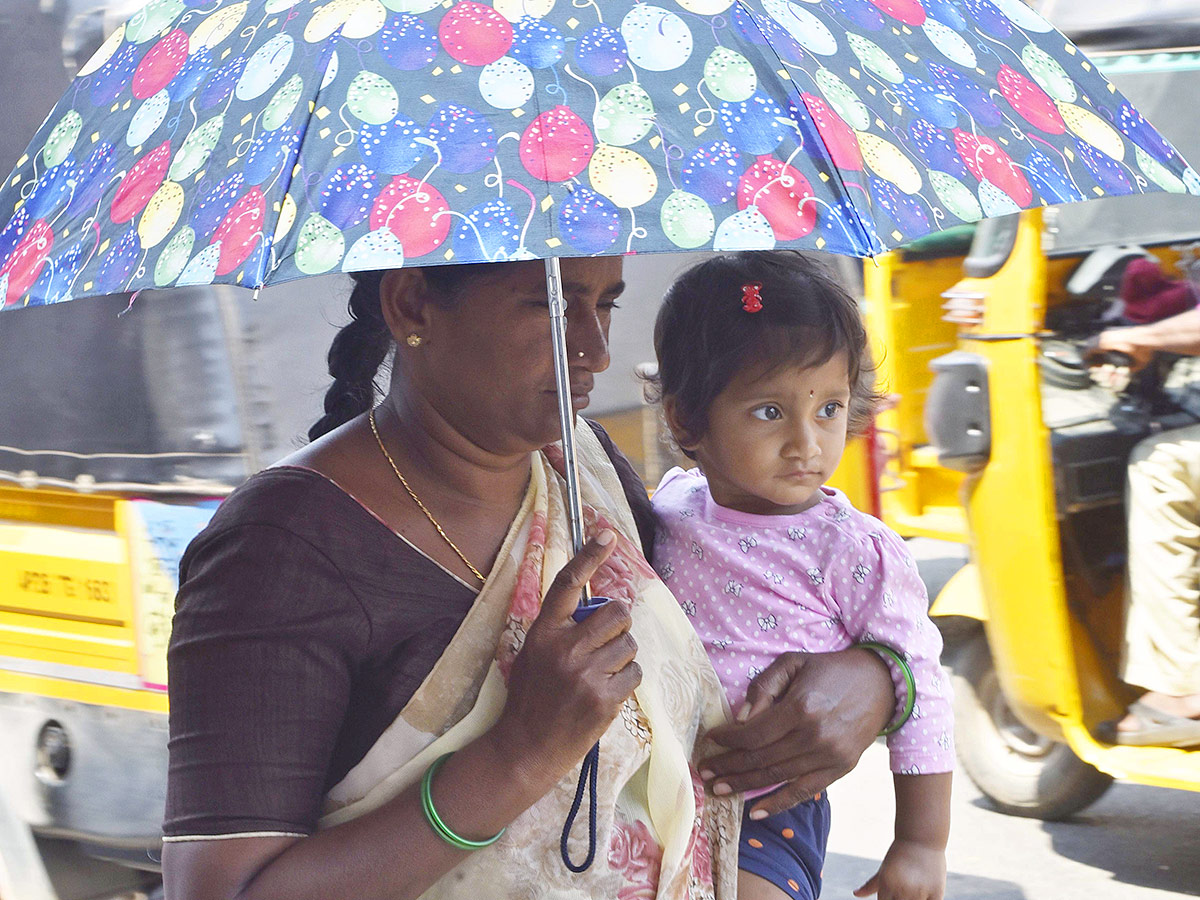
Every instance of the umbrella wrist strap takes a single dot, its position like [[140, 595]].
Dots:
[[587, 776]]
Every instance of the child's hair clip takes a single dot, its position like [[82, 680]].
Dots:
[[752, 296]]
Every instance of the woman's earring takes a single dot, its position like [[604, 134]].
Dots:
[[414, 340], [581, 354]]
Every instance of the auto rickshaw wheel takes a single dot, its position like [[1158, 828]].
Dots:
[[1019, 771]]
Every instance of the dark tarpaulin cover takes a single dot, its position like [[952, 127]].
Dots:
[[147, 398], [192, 389], [1121, 25]]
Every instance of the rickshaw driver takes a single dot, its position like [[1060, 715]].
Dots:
[[1162, 628]]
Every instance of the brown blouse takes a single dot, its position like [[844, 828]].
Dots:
[[303, 625]]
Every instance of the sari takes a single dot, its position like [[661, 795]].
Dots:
[[658, 834]]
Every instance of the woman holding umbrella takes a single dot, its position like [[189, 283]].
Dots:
[[391, 595], [377, 687]]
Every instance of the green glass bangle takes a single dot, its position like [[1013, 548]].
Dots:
[[440, 828], [910, 684]]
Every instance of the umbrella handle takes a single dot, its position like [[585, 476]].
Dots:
[[588, 607]]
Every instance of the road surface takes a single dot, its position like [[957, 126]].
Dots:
[[1136, 843]]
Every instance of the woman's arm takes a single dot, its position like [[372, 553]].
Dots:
[[392, 852], [814, 715]]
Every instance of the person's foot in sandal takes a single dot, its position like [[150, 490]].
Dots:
[[1157, 720]]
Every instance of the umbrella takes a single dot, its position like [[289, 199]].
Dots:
[[256, 141]]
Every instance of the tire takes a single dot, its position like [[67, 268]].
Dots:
[[1020, 772]]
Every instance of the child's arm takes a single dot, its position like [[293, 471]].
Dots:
[[915, 865]]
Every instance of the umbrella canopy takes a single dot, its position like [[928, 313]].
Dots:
[[257, 141]]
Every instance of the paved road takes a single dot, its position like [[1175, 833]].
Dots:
[[1136, 843]]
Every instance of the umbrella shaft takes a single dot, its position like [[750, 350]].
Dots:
[[566, 415]]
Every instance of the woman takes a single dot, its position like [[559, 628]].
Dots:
[[371, 604]]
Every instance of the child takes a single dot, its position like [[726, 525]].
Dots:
[[763, 371]]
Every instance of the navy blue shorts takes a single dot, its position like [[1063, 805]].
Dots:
[[788, 848]]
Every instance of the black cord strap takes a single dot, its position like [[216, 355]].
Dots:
[[587, 775]]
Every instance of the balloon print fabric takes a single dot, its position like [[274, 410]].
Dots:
[[259, 141]]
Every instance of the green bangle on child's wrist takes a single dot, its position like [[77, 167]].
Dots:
[[910, 684]]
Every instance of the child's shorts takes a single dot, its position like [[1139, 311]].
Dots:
[[788, 848]]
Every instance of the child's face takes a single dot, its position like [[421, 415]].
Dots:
[[774, 439]]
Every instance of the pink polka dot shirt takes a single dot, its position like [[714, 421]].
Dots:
[[757, 586]]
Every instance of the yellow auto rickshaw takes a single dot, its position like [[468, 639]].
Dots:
[[1006, 464]]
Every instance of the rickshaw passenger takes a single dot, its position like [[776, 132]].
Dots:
[[1162, 630]]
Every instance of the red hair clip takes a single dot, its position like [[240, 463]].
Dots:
[[751, 296]]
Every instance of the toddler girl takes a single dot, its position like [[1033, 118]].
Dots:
[[763, 371]]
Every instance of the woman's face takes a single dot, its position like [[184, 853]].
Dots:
[[486, 364]]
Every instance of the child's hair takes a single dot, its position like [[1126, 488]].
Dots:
[[703, 337]]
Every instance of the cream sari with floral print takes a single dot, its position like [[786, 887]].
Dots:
[[658, 834]]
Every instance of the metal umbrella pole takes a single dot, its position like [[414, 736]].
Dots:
[[562, 379], [587, 604]]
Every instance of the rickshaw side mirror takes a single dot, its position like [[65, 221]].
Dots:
[[958, 417]]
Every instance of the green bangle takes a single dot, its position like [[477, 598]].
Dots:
[[440, 828], [910, 684]]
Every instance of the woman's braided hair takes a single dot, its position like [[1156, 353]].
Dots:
[[360, 348], [355, 355]]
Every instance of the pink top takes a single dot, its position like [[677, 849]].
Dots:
[[756, 586]]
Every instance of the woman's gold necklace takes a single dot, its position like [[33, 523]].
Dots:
[[417, 500]]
